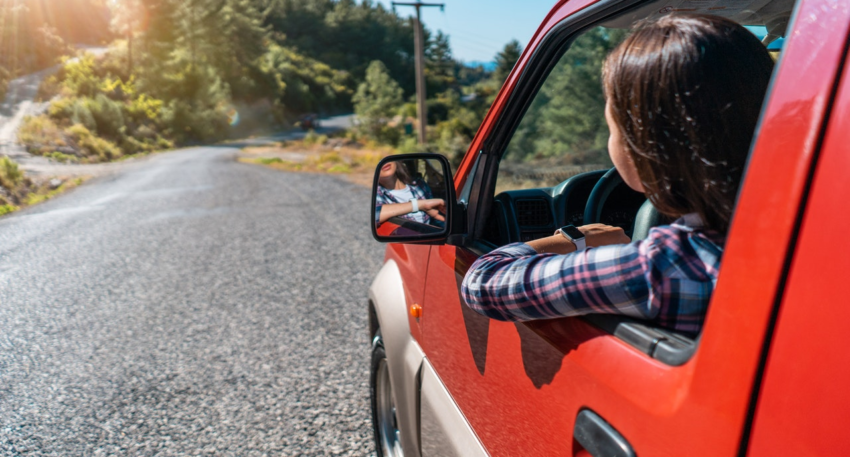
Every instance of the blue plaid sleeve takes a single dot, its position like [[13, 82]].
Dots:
[[668, 277], [515, 283]]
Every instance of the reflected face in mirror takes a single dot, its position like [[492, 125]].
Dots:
[[388, 179], [410, 196]]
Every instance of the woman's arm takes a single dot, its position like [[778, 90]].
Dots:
[[595, 235], [541, 280], [431, 206]]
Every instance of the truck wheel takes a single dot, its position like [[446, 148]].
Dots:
[[384, 422]]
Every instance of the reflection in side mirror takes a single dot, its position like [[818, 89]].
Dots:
[[412, 196]]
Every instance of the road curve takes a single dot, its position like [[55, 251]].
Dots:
[[188, 304]]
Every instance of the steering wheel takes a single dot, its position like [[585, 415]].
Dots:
[[647, 216]]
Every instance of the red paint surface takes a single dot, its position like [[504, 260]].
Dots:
[[412, 261], [521, 386], [804, 407]]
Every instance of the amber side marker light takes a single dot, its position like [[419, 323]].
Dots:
[[416, 311]]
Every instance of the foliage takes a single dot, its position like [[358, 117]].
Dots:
[[346, 35], [304, 84], [311, 138], [14, 186], [505, 61], [10, 175], [46, 193], [7, 208], [440, 67], [96, 148], [566, 120], [60, 157], [377, 100], [40, 135]]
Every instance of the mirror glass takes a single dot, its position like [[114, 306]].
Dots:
[[410, 198]]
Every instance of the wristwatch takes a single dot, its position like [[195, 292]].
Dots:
[[573, 234]]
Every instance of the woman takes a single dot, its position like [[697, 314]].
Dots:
[[683, 95], [400, 196]]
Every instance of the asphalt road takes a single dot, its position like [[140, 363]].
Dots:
[[188, 304]]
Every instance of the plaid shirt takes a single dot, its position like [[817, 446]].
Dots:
[[419, 189], [666, 278]]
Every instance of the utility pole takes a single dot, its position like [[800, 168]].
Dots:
[[418, 43]]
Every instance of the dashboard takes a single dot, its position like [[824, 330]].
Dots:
[[528, 214]]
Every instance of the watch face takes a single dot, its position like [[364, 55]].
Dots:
[[573, 232]]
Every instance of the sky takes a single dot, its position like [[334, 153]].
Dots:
[[478, 29]]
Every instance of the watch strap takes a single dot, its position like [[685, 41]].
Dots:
[[580, 243]]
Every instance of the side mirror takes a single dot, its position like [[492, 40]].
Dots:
[[412, 199]]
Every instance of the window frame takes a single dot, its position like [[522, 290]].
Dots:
[[543, 60]]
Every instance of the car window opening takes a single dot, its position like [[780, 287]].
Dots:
[[558, 153]]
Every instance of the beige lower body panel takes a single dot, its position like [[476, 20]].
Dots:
[[444, 429]]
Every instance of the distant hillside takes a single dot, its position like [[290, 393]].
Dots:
[[488, 66]]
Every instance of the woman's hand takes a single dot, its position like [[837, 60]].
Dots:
[[434, 207], [603, 235]]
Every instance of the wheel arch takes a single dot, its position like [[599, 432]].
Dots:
[[388, 312]]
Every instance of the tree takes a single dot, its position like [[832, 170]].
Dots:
[[505, 61], [566, 120], [377, 99], [439, 64], [126, 21]]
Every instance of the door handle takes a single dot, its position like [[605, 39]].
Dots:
[[598, 437]]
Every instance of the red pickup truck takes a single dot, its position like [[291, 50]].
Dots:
[[768, 375]]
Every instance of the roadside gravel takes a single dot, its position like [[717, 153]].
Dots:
[[187, 305]]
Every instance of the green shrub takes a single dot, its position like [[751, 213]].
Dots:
[[78, 77], [7, 208], [311, 138], [340, 168], [96, 148], [62, 108], [10, 176], [269, 160], [60, 157], [163, 143], [409, 145], [40, 135], [145, 108], [107, 115], [82, 115]]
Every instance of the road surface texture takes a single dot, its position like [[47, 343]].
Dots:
[[188, 304]]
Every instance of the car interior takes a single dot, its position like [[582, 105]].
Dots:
[[546, 173]]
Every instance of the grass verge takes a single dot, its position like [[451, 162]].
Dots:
[[330, 156], [38, 194], [45, 193]]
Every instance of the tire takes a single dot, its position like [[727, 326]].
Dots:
[[384, 421]]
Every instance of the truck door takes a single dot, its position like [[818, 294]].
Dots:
[[542, 388], [803, 405]]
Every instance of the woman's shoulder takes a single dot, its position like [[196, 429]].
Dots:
[[689, 251], [670, 235]]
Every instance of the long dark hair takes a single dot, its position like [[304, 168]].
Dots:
[[686, 92]]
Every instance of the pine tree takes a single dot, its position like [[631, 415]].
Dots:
[[377, 99], [126, 21], [439, 64], [505, 61]]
